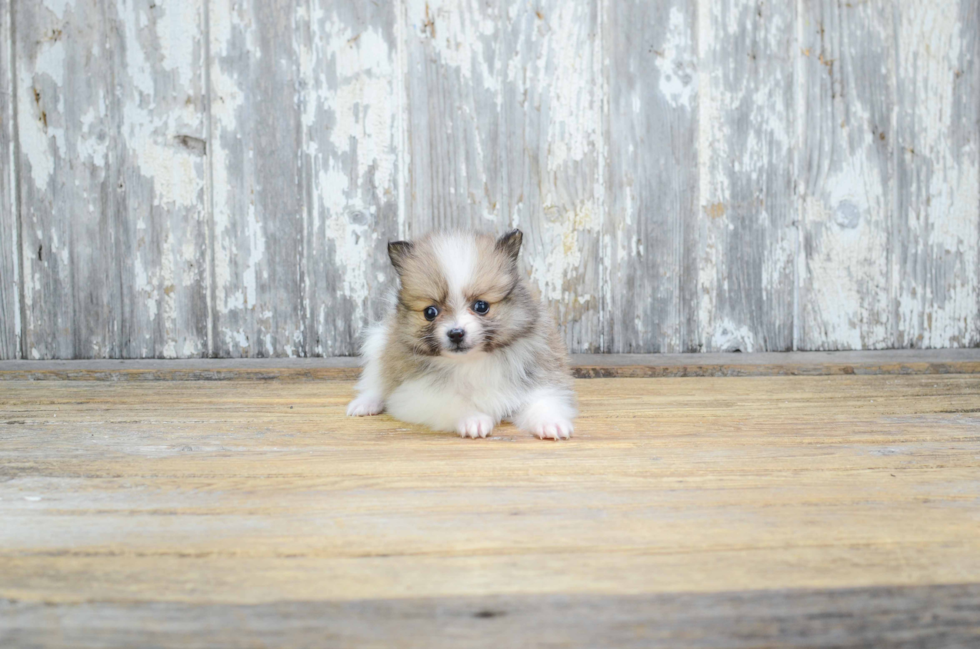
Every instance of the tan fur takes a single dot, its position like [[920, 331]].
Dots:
[[497, 280], [507, 363]]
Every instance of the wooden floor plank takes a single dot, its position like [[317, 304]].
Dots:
[[136, 500], [585, 366], [916, 616]]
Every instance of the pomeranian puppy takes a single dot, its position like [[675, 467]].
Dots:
[[467, 344]]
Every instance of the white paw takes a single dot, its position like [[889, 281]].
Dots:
[[365, 405], [553, 429], [478, 425]]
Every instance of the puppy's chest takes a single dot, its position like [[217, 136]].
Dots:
[[493, 382]]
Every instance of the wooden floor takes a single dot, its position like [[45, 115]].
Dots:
[[722, 512]]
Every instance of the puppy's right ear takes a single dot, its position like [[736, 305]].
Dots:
[[510, 244], [399, 252]]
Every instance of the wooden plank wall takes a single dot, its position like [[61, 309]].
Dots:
[[218, 178], [10, 324]]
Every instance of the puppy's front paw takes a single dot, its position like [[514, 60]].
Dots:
[[365, 405], [478, 425], [556, 428]]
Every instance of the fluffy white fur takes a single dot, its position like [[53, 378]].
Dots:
[[525, 381], [483, 390]]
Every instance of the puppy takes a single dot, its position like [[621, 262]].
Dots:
[[467, 344]]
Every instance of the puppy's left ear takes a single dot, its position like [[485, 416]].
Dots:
[[399, 252], [510, 244]]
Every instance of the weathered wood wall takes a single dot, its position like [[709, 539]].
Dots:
[[10, 325], [220, 177]]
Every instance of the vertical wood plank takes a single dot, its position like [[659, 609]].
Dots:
[[159, 168], [71, 280], [350, 107], [651, 176], [846, 109], [550, 154], [260, 205], [503, 125], [747, 204], [662, 220], [453, 102], [10, 280], [936, 231], [110, 117]]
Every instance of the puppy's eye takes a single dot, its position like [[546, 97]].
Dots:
[[430, 313], [481, 307]]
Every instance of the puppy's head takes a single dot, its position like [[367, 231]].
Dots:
[[460, 293]]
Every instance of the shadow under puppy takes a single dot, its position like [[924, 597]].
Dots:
[[467, 344]]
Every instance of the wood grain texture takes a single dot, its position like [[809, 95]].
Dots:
[[846, 146], [583, 366], [747, 219], [72, 284], [911, 616], [352, 152], [453, 122], [936, 227], [160, 168], [651, 177], [218, 178], [10, 281], [550, 147], [260, 202], [503, 131], [112, 174], [263, 497], [304, 105]]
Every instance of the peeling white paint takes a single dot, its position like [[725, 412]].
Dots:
[[58, 7], [254, 231], [456, 30], [178, 36], [845, 275], [677, 62], [745, 131], [191, 349], [353, 244], [227, 99], [235, 339], [728, 336], [712, 185], [41, 127], [361, 94], [152, 131], [554, 271], [364, 101], [599, 187], [145, 287], [573, 96], [10, 229], [938, 307], [58, 247], [92, 145], [401, 117], [352, 91]]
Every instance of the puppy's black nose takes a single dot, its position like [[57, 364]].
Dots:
[[456, 335]]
